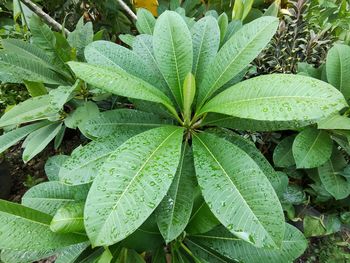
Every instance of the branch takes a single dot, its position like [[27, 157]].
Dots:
[[47, 19], [127, 9]]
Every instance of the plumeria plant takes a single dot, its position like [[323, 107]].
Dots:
[[169, 175]]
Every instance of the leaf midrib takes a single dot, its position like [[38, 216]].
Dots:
[[239, 193], [134, 178]]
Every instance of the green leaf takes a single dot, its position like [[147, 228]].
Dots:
[[237, 191], [236, 54], [335, 122], [83, 166], [143, 46], [22, 256], [145, 21], [223, 24], [39, 140], [37, 108], [120, 200], [26, 50], [35, 89], [173, 51], [206, 41], [120, 121], [62, 94], [312, 148], [105, 53], [278, 97], [68, 219], [48, 197], [45, 39], [273, 9], [338, 68], [175, 209], [202, 219], [118, 82], [331, 178], [53, 166], [205, 254], [226, 121], [189, 91], [70, 254], [81, 37], [283, 153], [84, 113], [23, 228], [21, 68], [12, 137], [223, 242], [255, 154], [126, 39]]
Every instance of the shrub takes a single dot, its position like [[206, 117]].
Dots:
[[141, 170]]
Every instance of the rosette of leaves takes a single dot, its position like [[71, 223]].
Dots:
[[135, 185], [57, 100], [296, 40]]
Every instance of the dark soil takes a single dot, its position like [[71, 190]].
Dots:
[[33, 172]]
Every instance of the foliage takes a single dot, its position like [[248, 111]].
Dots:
[[168, 172], [40, 66], [296, 40]]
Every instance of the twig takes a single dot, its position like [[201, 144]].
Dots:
[[47, 19], [127, 9]]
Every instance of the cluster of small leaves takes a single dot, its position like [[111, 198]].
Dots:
[[296, 40]]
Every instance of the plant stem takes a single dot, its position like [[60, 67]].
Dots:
[[47, 19], [127, 9]]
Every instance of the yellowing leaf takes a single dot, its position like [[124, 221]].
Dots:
[[150, 5]]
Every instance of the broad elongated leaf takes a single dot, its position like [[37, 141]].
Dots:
[[68, 219], [202, 219], [223, 242], [25, 68], [122, 121], [236, 54], [83, 166], [122, 198], [255, 154], [338, 68], [119, 82], [105, 53], [39, 140], [22, 256], [12, 137], [45, 39], [145, 21], [33, 109], [19, 224], [330, 176], [312, 148], [48, 197], [206, 41], [226, 121], [24, 49], [175, 209], [70, 254], [81, 37], [53, 166], [205, 254], [173, 51], [237, 191], [335, 122], [283, 153], [143, 46], [293, 98]]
